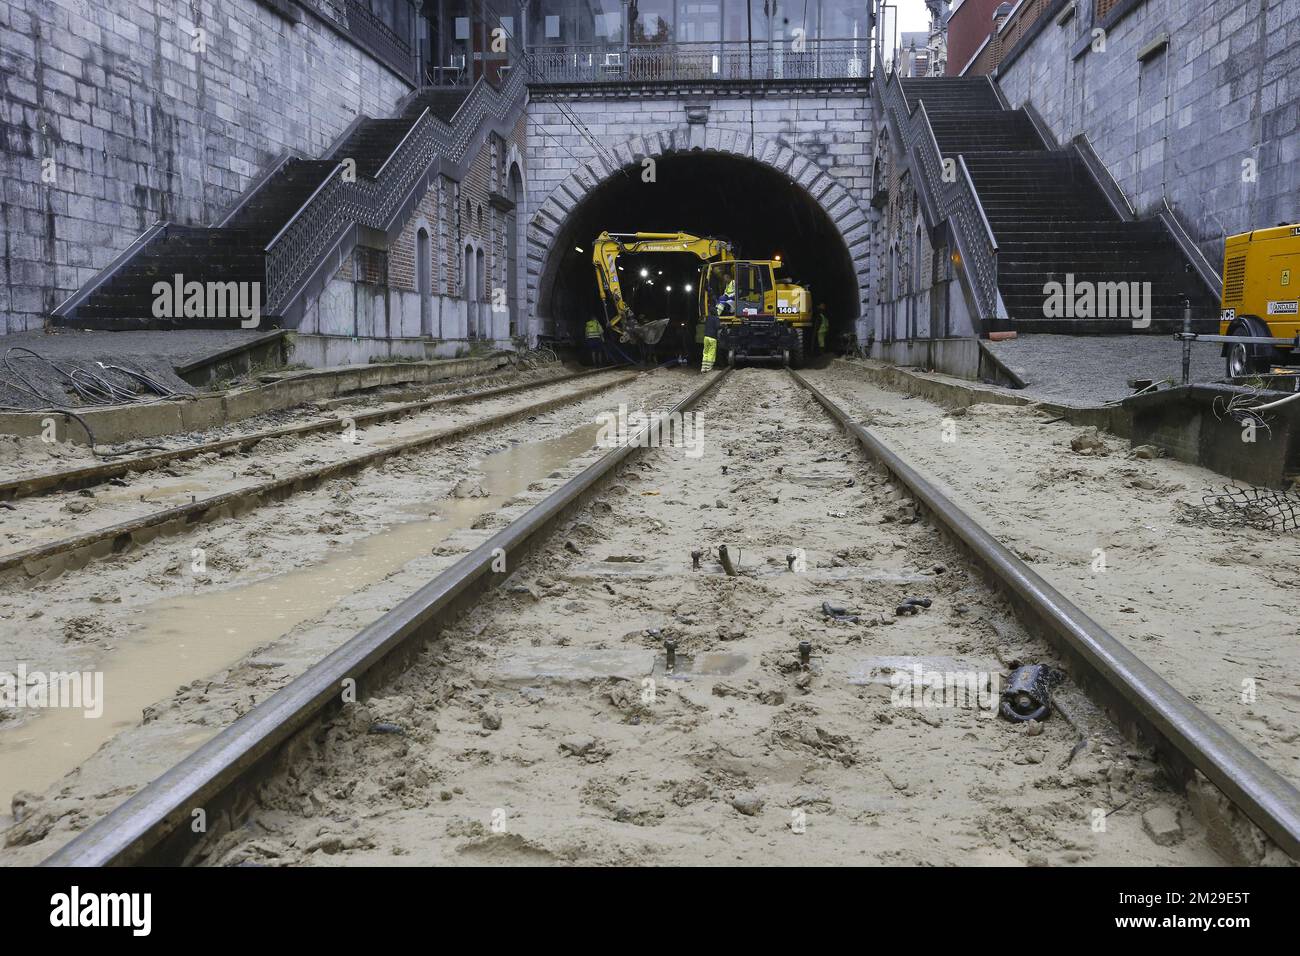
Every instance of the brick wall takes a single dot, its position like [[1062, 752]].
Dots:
[[969, 26], [457, 214], [1193, 122], [140, 127]]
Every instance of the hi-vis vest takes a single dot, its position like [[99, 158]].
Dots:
[[593, 329]]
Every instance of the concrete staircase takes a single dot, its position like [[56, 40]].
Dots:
[[1049, 216], [122, 298], [229, 253]]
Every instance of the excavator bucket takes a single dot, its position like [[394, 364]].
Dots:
[[648, 333]]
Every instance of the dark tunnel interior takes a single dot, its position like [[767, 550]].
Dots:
[[760, 211]]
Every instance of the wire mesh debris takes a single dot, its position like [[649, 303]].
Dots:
[[1246, 507]]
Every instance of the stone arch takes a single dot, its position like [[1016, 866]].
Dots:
[[818, 183]]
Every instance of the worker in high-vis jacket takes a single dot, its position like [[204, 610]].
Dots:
[[823, 327], [711, 325], [595, 341], [727, 301]]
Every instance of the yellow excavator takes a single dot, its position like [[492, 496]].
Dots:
[[605, 253], [761, 317]]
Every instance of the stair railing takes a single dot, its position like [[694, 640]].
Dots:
[[979, 247], [314, 230], [155, 233], [946, 199], [293, 250]]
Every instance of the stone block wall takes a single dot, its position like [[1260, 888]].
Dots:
[[1211, 120], [115, 114]]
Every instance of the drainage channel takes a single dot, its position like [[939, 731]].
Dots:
[[153, 825], [54, 556], [1143, 703]]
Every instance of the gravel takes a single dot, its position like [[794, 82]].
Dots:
[[1092, 370]]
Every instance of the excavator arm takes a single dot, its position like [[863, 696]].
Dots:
[[605, 254]]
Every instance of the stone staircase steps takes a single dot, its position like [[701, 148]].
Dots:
[[1048, 214], [372, 143]]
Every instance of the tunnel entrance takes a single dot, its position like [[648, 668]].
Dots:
[[762, 212]]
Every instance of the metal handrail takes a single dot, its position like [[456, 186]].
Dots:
[[979, 206], [397, 149], [374, 201], [957, 203], [822, 58], [301, 209]]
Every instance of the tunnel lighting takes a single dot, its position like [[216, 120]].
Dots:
[[688, 287], [660, 272], [578, 248], [644, 273], [669, 288], [776, 257]]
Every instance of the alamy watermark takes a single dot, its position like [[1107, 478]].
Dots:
[[651, 430], [1085, 299], [923, 689], [82, 690], [208, 300]]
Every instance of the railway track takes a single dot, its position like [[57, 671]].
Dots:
[[90, 476], [613, 703], [348, 444]]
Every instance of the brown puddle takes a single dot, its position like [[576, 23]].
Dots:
[[191, 637]]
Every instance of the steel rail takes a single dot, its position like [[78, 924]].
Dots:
[[154, 825], [117, 536], [1183, 734], [70, 479]]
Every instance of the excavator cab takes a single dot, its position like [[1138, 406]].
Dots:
[[761, 317], [759, 321], [752, 285]]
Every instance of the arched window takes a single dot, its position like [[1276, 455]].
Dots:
[[424, 280], [917, 271]]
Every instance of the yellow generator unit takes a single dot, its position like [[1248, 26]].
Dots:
[[1261, 290]]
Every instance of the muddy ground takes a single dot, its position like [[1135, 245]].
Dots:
[[544, 728], [20, 457], [279, 588], [1211, 610], [529, 733]]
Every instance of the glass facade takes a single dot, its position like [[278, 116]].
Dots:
[[651, 22], [610, 40], [466, 39], [593, 40]]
